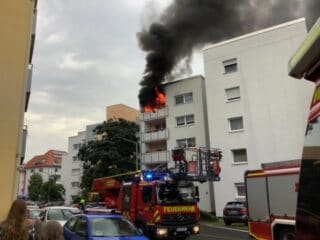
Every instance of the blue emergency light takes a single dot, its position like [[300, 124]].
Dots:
[[149, 176], [152, 175]]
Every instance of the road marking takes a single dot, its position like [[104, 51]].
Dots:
[[231, 229], [220, 237]]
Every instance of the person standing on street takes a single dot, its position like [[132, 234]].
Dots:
[[51, 230], [82, 204], [16, 225]]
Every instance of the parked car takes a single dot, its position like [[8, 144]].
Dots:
[[96, 205], [60, 214], [33, 215], [235, 212], [98, 211], [101, 227]]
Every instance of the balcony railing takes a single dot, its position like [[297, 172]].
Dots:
[[28, 90], [155, 157], [160, 113], [23, 143], [34, 22], [155, 136]]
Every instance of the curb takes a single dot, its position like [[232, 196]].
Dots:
[[208, 224]]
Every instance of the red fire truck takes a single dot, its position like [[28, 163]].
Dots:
[[272, 199], [106, 190], [305, 63], [163, 203]]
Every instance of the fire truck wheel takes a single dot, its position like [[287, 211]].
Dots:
[[286, 234]]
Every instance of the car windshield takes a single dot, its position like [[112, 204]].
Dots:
[[113, 227], [62, 214], [34, 214], [235, 205], [176, 193]]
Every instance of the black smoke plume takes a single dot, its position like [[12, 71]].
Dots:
[[187, 25]]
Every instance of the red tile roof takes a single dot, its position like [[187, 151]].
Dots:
[[52, 158]]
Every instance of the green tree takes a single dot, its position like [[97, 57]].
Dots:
[[111, 154], [51, 191], [34, 187]]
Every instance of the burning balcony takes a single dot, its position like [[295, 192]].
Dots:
[[156, 109]]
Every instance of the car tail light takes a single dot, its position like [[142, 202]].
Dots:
[[225, 211], [244, 211]]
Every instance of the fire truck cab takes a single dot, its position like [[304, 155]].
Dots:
[[161, 206], [163, 203]]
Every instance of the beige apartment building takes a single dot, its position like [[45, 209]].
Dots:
[[17, 31], [122, 111]]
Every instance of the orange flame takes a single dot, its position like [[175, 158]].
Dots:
[[160, 102]]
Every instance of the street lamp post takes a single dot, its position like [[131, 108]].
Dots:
[[136, 145]]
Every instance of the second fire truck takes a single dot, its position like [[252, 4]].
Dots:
[[272, 199]]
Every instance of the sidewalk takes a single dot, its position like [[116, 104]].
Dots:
[[220, 223]]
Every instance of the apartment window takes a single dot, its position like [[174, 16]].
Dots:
[[75, 184], [75, 171], [235, 124], [39, 162], [185, 120], [180, 121], [233, 93], [56, 169], [239, 156], [184, 98], [40, 169], [76, 146], [190, 119], [187, 142], [241, 191], [230, 65], [188, 97], [32, 170], [179, 99], [74, 158]]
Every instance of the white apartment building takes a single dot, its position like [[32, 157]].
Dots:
[[256, 113], [183, 122], [72, 166], [47, 165]]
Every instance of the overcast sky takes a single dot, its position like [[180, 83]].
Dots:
[[86, 57]]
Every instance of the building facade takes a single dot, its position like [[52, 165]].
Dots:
[[122, 111], [182, 123], [17, 30], [72, 166], [256, 113], [48, 165]]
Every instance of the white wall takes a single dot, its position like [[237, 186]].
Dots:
[[199, 129], [274, 106], [68, 164]]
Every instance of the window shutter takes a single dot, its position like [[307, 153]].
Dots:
[[233, 93]]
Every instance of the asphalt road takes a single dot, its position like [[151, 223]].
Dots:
[[220, 233]]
